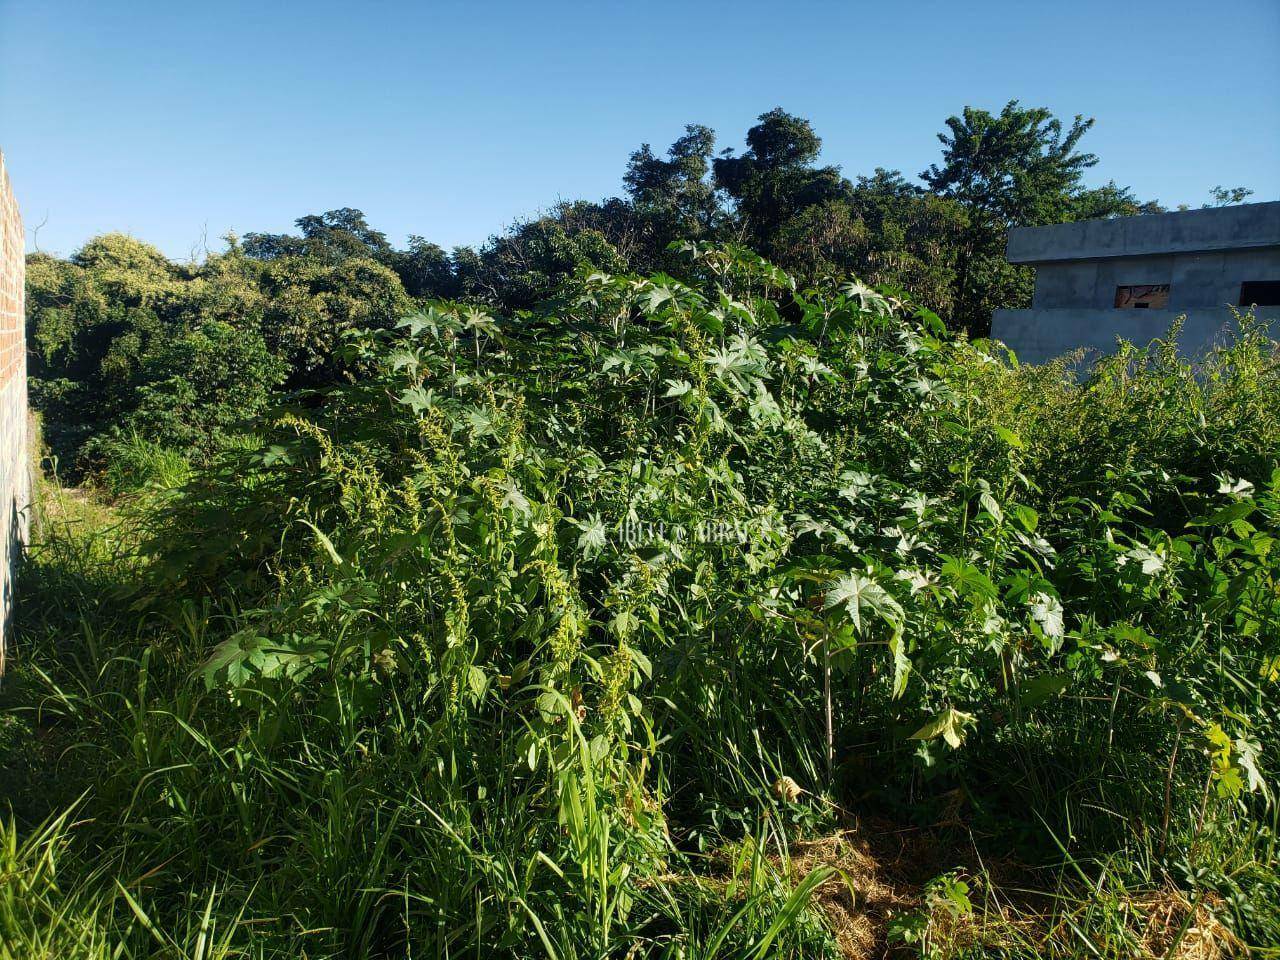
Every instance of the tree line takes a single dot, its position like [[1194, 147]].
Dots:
[[942, 240], [125, 341]]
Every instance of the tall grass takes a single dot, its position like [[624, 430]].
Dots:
[[548, 637]]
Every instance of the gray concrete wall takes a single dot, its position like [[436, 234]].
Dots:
[[1190, 231], [1037, 336], [1196, 280]]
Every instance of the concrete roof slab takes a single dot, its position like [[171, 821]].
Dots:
[[1241, 227]]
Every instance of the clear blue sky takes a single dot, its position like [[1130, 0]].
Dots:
[[178, 121]]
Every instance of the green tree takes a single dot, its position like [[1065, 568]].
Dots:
[[889, 232], [913, 237], [425, 269], [92, 318], [528, 263], [196, 389], [1014, 168], [674, 197], [776, 177], [1108, 201], [105, 321], [333, 236], [311, 303], [1228, 196]]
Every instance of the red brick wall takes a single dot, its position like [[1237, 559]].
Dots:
[[15, 474]]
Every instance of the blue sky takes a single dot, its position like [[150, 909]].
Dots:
[[177, 122]]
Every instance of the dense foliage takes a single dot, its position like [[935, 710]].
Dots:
[[549, 634], [98, 316]]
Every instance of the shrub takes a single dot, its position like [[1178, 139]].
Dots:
[[197, 389]]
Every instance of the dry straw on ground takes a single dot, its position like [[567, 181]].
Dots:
[[883, 870]]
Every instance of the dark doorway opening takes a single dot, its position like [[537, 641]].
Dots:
[[1262, 293]]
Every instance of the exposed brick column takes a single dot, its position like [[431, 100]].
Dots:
[[15, 475]]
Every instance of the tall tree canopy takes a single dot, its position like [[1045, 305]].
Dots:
[[1015, 167], [776, 177], [334, 236], [1019, 167], [676, 194]]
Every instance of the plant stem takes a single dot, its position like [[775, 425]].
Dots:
[[1168, 789], [826, 693]]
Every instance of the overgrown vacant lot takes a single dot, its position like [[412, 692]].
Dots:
[[687, 618]]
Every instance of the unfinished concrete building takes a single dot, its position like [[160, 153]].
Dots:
[[1131, 277]]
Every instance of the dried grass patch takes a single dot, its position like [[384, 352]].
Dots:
[[884, 869]]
